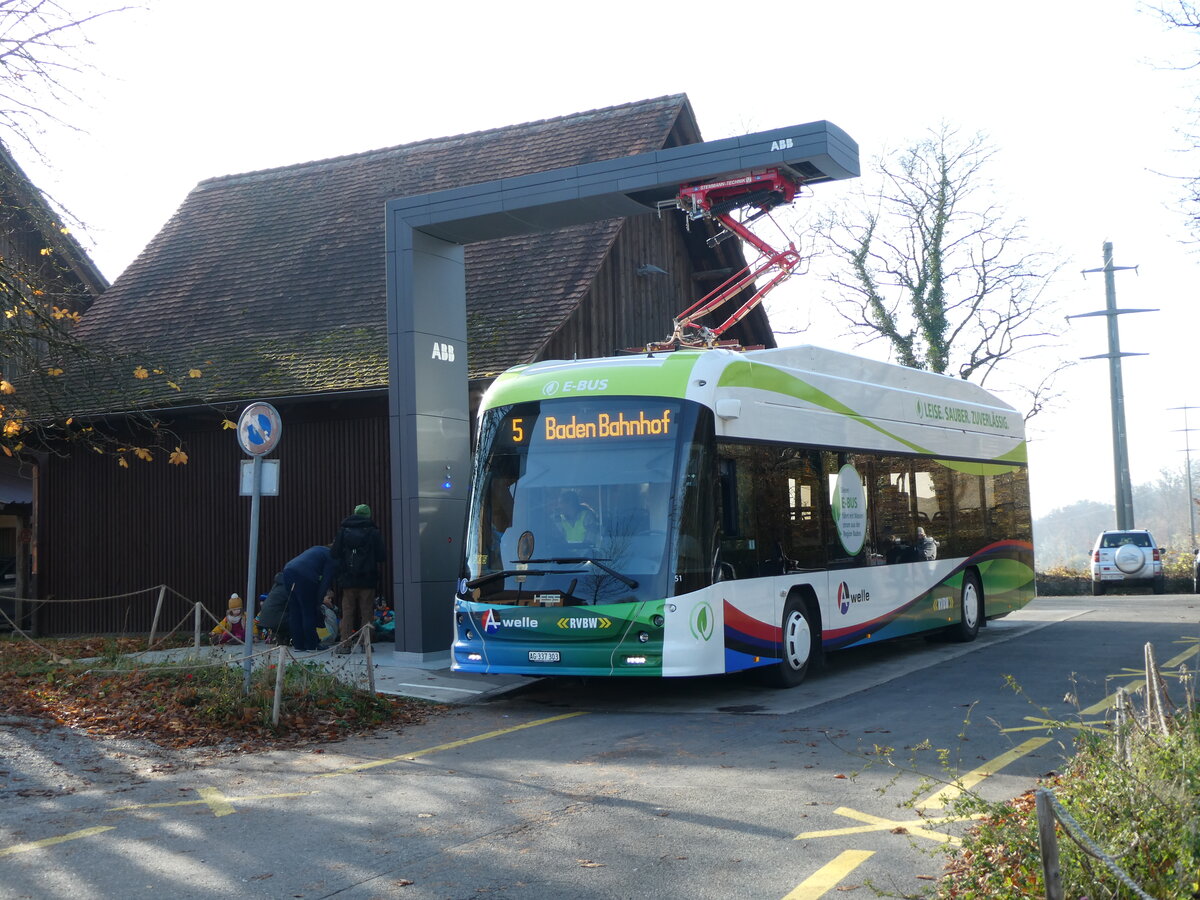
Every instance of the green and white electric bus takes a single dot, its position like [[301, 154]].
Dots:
[[697, 512]]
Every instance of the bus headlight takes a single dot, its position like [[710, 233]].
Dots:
[[658, 621], [643, 636]]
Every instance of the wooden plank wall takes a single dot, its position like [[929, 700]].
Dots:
[[117, 531], [623, 309]]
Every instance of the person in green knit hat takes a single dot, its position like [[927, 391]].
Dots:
[[358, 552]]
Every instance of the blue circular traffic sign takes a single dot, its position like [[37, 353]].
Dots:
[[259, 428]]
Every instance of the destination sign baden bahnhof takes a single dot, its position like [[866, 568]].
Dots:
[[623, 424]]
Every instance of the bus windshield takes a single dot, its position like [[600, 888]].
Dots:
[[583, 501]]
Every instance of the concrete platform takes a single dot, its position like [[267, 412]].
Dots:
[[438, 685]]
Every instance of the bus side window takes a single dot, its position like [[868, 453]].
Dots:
[[727, 472], [806, 547], [732, 545]]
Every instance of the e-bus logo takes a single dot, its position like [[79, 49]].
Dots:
[[845, 598], [702, 621], [550, 388], [443, 351]]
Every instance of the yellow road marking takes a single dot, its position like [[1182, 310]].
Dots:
[[49, 842], [217, 801], [1053, 723], [211, 797], [826, 877], [405, 757], [1172, 663], [1111, 700], [877, 823], [939, 799], [1184, 656]]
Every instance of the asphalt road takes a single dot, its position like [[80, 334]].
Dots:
[[583, 789]]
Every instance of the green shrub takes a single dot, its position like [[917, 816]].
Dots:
[[1144, 811]]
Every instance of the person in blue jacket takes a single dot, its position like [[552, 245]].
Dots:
[[309, 578]]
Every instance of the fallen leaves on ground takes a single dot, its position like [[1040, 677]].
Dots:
[[164, 707]]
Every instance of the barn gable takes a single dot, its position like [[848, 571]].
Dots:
[[272, 284]]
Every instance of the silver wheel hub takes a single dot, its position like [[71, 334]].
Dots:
[[970, 604], [797, 639]]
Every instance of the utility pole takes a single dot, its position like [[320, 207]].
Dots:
[[1124, 490], [1187, 451]]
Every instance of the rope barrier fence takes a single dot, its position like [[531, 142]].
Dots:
[[1158, 718], [360, 675], [1049, 811], [26, 609]]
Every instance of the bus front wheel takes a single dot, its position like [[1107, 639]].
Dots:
[[796, 645], [970, 609]]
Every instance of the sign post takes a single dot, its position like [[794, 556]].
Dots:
[[258, 431]]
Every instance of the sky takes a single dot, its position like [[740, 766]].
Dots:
[[1083, 100]]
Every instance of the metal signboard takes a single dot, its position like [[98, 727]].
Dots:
[[259, 428], [269, 478]]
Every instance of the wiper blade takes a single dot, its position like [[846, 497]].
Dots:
[[503, 573], [508, 573], [630, 583]]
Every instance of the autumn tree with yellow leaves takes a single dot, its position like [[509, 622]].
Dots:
[[58, 392]]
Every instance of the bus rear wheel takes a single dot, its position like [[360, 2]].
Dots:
[[796, 645], [970, 609]]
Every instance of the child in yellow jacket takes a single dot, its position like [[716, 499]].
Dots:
[[232, 628]]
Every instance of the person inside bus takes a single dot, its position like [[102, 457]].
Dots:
[[500, 520], [926, 544], [893, 550], [576, 521]]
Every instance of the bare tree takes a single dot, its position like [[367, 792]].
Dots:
[[41, 58], [56, 391], [932, 266], [1183, 14]]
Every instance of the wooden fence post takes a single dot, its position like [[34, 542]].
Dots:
[[1048, 842], [1156, 704], [1123, 749], [279, 666], [366, 639], [162, 592]]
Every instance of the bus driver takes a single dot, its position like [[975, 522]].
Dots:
[[576, 520]]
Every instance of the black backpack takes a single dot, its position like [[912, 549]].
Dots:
[[358, 552]]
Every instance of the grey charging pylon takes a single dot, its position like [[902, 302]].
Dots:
[[427, 328]]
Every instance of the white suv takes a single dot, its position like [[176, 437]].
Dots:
[[1126, 559]]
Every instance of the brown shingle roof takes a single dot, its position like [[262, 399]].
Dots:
[[273, 282]]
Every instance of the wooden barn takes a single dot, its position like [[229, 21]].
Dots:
[[271, 286], [42, 264]]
